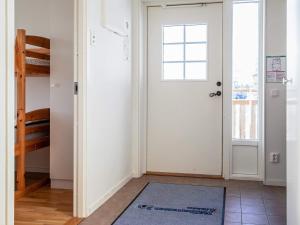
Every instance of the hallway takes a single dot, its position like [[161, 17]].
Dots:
[[247, 202]]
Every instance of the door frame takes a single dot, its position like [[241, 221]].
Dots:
[[260, 143], [7, 111], [80, 209], [140, 73]]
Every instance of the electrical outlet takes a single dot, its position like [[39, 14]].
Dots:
[[274, 157]]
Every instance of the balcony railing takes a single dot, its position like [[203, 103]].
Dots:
[[244, 122]]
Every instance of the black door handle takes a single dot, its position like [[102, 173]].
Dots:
[[218, 93]]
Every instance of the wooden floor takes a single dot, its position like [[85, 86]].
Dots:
[[44, 207], [34, 181]]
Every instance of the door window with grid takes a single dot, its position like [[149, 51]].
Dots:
[[184, 52]]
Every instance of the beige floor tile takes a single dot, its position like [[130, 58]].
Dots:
[[250, 197]]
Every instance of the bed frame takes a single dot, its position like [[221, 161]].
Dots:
[[33, 128]]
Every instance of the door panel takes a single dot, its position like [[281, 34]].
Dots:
[[184, 66], [293, 111]]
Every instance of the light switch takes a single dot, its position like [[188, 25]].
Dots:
[[92, 37], [275, 92]]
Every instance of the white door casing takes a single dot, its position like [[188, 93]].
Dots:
[[80, 69], [184, 123], [7, 38]]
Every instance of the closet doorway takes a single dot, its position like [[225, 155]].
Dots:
[[44, 111]]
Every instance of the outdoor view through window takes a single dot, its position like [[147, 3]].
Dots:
[[245, 70]]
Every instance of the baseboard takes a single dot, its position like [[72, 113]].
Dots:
[[108, 195], [61, 184], [136, 175], [245, 177], [184, 175], [33, 169], [74, 221], [275, 182]]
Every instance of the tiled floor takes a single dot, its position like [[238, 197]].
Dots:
[[247, 203]]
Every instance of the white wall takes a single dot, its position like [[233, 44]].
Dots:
[[275, 117], [108, 110], [34, 16], [61, 93]]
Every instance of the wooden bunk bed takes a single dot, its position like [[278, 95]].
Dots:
[[32, 59]]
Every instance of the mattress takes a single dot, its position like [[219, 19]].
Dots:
[[37, 134], [38, 62]]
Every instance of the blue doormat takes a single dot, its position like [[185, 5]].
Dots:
[[175, 204]]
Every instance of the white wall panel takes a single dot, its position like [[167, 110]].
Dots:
[[109, 109], [275, 110], [244, 160], [61, 93]]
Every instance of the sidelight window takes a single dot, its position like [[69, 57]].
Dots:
[[245, 70]]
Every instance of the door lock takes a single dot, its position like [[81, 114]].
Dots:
[[218, 93]]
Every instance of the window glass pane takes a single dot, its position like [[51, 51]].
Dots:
[[195, 52], [245, 70], [196, 33], [173, 34], [173, 71], [195, 71], [184, 47], [173, 52]]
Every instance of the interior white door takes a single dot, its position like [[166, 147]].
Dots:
[[293, 112], [185, 89]]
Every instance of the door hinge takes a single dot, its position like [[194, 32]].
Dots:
[[75, 88]]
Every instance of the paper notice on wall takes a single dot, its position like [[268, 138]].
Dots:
[[276, 69]]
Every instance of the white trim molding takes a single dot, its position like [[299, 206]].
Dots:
[[245, 177], [139, 69], [227, 87], [97, 203], [80, 130], [7, 39], [178, 2], [262, 54], [275, 182]]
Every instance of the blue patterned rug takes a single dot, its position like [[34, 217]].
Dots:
[[175, 204]]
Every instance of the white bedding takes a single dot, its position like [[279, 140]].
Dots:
[[38, 62]]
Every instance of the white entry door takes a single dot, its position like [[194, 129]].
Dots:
[[185, 89]]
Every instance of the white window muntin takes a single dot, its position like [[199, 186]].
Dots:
[[182, 41]]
